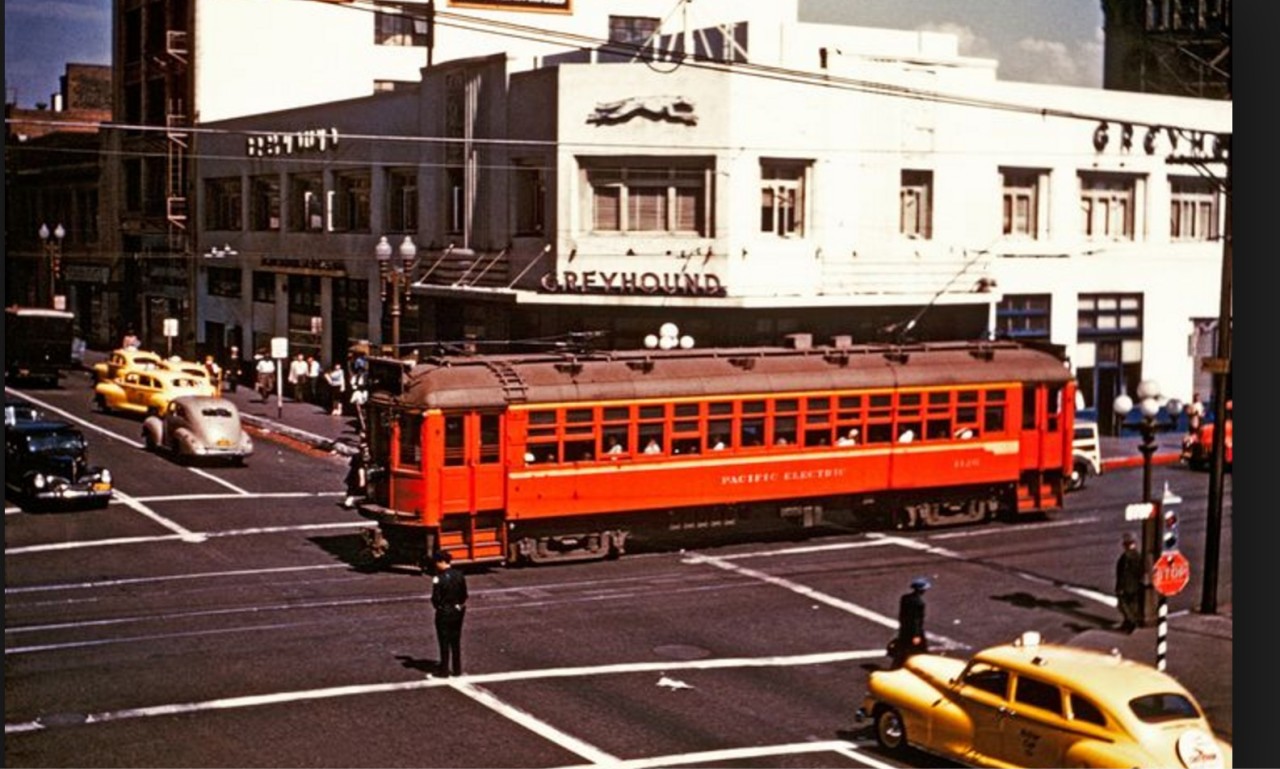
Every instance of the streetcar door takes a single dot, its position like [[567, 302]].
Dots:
[[471, 476]]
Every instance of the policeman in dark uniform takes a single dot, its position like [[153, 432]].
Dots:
[[1129, 584], [911, 638], [449, 597]]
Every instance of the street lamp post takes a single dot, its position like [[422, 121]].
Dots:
[[1149, 402], [52, 245], [396, 279]]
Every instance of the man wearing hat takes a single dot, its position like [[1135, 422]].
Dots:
[[1129, 587], [911, 638], [449, 597]]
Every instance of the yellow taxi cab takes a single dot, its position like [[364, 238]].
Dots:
[[125, 358], [1032, 704], [188, 367], [141, 391]]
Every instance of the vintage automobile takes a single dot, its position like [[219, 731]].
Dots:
[[46, 462], [147, 392], [189, 367], [1086, 454], [1030, 704], [124, 359], [16, 411], [195, 427]]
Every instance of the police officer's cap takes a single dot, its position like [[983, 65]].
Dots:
[[442, 556], [920, 583]]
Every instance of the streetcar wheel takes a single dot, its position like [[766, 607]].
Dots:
[[1078, 474], [891, 733]]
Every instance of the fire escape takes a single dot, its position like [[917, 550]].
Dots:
[[178, 140]]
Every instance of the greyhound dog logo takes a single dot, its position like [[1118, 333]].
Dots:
[[671, 109]]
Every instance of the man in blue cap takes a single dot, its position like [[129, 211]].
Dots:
[[449, 597], [911, 638]]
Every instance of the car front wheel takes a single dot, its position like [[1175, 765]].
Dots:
[[1078, 475], [891, 733]]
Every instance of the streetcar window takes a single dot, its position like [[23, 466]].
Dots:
[[814, 405], [652, 412], [881, 401], [752, 433], [967, 396], [784, 431], [454, 440], [721, 407], [578, 416], [579, 450], [651, 439], [615, 442], [686, 409], [786, 405], [753, 407], [940, 399], [993, 419], [410, 445], [718, 433], [852, 402], [547, 417], [1055, 412], [909, 399], [490, 439], [937, 429], [1029, 408], [617, 414]]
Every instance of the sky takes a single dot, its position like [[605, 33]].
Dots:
[[1043, 41]]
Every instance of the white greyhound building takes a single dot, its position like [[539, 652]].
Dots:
[[750, 178]]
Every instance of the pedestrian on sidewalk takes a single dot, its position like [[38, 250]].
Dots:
[[233, 369], [1129, 587], [359, 385], [911, 637], [215, 373], [297, 376], [336, 381], [449, 598], [265, 370], [313, 380]]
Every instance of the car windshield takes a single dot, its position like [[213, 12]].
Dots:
[[58, 443], [1165, 706]]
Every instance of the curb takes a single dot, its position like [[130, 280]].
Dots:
[[324, 443], [1167, 458]]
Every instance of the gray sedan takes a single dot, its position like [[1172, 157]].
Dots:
[[197, 426]]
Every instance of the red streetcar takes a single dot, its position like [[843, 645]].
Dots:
[[543, 457]]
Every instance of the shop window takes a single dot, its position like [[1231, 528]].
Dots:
[[225, 282], [264, 286]]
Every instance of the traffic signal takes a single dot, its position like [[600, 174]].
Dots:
[[1169, 538], [57, 265]]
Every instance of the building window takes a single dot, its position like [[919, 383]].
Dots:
[[456, 213], [224, 281], [635, 30], [782, 197], [351, 297], [306, 203], [304, 295], [264, 203], [1110, 315], [1193, 209], [264, 286], [1021, 202], [351, 202], [222, 204], [402, 200], [530, 201], [400, 24], [1024, 316], [650, 198], [1107, 206], [917, 204]]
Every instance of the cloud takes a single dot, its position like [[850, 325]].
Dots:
[[1032, 59]]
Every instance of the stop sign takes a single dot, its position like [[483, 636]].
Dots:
[[1171, 573]]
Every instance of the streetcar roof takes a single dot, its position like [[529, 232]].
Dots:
[[497, 381]]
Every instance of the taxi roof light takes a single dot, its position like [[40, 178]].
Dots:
[[1029, 638]]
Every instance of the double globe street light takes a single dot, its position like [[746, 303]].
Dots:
[[1149, 404], [396, 279], [51, 242]]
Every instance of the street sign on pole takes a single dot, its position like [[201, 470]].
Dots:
[[1171, 573], [280, 351], [1139, 511]]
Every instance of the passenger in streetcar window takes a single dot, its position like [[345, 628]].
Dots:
[[849, 439], [652, 447], [613, 446], [718, 444]]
